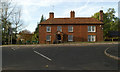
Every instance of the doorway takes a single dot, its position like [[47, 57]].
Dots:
[[58, 37]]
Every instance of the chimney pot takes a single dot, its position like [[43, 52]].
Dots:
[[51, 15], [72, 14], [101, 15]]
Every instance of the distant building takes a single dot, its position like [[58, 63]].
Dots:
[[73, 29], [24, 38]]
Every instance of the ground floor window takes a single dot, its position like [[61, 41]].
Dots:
[[48, 38], [91, 38], [70, 37]]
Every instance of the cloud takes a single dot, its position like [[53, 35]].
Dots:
[[79, 9], [38, 2], [89, 8], [54, 2], [32, 9]]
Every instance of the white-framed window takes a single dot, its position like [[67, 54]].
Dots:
[[70, 28], [59, 28], [91, 38], [48, 29], [70, 37], [91, 28], [48, 38]]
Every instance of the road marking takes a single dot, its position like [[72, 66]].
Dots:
[[13, 48], [43, 56], [46, 66]]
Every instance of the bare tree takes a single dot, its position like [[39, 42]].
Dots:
[[17, 22], [11, 19]]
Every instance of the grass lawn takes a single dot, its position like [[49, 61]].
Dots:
[[90, 42]]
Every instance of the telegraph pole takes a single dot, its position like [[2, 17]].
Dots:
[[102, 8], [11, 34], [0, 23], [53, 8]]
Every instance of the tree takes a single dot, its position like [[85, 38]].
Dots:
[[10, 20], [36, 33], [110, 21], [17, 22]]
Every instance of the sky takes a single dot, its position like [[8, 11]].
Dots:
[[32, 10], [119, 9]]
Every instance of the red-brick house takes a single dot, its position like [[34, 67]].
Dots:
[[73, 29]]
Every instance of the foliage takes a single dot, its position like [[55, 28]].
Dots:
[[36, 33], [110, 21], [10, 21]]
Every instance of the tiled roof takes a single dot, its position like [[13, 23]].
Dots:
[[80, 20]]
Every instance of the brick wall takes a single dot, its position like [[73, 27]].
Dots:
[[80, 33]]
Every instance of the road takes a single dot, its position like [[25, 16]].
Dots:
[[61, 57]]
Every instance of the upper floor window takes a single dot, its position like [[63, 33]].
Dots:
[[70, 37], [48, 29], [59, 28], [48, 38], [91, 38], [70, 28], [91, 29]]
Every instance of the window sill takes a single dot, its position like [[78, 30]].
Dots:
[[70, 40], [91, 31], [71, 32], [48, 32], [48, 40]]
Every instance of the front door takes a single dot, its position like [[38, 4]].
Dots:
[[59, 37]]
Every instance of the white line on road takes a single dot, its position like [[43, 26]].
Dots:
[[13, 48], [43, 56]]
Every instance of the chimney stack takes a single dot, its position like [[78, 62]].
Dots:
[[101, 15], [51, 15], [72, 14]]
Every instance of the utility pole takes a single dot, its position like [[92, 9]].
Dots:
[[53, 8], [119, 18], [0, 23], [102, 8], [11, 35]]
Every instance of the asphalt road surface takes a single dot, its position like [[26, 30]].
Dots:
[[61, 57]]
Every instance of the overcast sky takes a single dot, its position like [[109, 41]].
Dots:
[[32, 10]]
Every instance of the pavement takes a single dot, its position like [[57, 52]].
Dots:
[[58, 57], [113, 52], [61, 44]]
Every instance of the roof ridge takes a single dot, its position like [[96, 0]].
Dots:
[[70, 18], [77, 20]]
